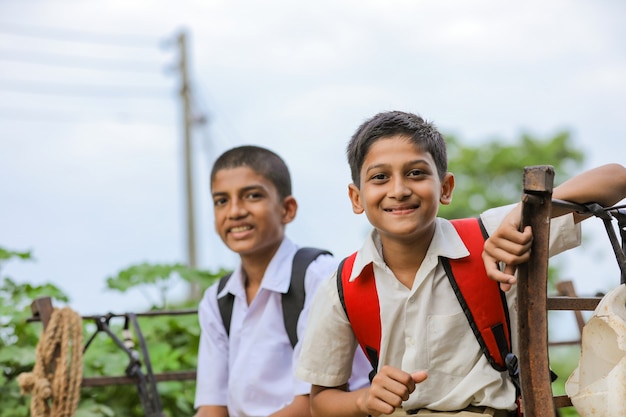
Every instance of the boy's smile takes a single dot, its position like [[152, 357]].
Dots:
[[400, 189], [250, 217]]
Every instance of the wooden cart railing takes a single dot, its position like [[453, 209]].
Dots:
[[139, 371], [533, 303]]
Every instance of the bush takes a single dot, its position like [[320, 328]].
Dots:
[[171, 340]]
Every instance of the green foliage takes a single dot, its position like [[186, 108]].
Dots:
[[172, 342], [162, 277], [18, 337], [563, 361], [5, 255], [490, 174]]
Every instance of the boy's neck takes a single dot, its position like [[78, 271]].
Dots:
[[253, 267], [405, 258], [253, 273]]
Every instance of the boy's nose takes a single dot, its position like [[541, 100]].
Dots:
[[399, 189], [236, 209]]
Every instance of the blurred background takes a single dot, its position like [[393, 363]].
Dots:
[[111, 114]]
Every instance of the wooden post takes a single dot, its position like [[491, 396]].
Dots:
[[42, 308], [188, 161], [532, 295]]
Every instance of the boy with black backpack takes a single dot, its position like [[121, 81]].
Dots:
[[416, 297], [251, 320]]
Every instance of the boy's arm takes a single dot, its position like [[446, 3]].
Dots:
[[212, 367], [299, 407], [212, 411], [605, 185], [390, 387]]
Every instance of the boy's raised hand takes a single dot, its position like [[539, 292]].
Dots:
[[509, 246], [390, 387]]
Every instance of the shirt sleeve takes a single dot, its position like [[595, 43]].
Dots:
[[329, 344], [319, 270], [212, 369]]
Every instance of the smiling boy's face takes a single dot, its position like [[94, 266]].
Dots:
[[400, 189], [250, 217]]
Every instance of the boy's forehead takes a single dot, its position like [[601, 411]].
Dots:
[[238, 178], [394, 145], [399, 150]]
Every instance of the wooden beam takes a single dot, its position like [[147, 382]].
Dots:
[[532, 295]]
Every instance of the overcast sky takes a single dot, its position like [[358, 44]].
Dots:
[[90, 118]]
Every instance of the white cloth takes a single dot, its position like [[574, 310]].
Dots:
[[597, 387], [252, 371], [423, 328]]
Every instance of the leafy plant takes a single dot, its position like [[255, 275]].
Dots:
[[172, 342], [18, 337]]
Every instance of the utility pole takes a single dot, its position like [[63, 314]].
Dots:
[[187, 124]]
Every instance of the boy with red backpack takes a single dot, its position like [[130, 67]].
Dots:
[[408, 296]]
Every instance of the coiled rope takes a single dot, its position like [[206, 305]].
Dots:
[[55, 380]]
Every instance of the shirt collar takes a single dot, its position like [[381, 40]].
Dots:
[[446, 242], [277, 276]]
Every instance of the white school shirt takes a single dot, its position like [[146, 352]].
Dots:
[[252, 371], [422, 328]]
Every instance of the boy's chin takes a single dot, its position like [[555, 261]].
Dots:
[[249, 248]]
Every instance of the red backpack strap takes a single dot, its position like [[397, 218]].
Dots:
[[483, 303], [359, 299]]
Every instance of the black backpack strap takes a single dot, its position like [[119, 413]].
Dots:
[[225, 303], [483, 302], [293, 299]]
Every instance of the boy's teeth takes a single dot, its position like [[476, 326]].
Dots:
[[239, 229]]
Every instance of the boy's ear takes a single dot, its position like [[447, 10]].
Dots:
[[290, 207], [447, 186], [355, 198]]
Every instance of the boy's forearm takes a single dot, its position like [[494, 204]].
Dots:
[[335, 402], [299, 407], [212, 411], [605, 185]]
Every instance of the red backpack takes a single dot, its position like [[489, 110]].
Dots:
[[483, 303]]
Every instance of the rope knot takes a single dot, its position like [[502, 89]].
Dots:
[[26, 381], [55, 380]]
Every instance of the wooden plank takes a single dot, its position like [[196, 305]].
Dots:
[[101, 381], [566, 288], [573, 303], [561, 401]]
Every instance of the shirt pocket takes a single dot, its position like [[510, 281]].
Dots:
[[452, 346]]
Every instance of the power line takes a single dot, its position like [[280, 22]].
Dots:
[[76, 61], [69, 35], [47, 115], [35, 87]]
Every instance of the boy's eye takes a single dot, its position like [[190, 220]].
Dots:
[[219, 202], [255, 195], [415, 173], [379, 177]]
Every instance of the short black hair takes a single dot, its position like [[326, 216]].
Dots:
[[262, 161], [383, 125]]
